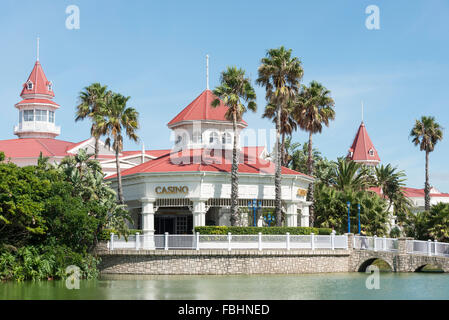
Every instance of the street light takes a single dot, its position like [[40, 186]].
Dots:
[[358, 209], [349, 219], [255, 206]]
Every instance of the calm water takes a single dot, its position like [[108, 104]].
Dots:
[[310, 286]]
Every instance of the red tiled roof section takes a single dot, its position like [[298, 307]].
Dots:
[[201, 109], [41, 101], [361, 147], [204, 160], [39, 80], [30, 148], [419, 193]]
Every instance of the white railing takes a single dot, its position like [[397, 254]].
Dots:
[[228, 242], [375, 243], [429, 248]]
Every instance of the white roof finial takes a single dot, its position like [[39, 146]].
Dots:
[[207, 71], [362, 111], [37, 55]]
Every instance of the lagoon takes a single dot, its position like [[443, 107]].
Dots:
[[285, 287]]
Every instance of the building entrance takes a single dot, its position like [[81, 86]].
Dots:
[[173, 223]]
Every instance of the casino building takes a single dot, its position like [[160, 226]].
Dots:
[[190, 185]]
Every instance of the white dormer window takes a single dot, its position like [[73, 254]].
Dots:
[[29, 85], [371, 152], [213, 138], [50, 86], [197, 137]]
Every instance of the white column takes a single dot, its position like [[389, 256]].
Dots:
[[199, 212], [148, 223], [305, 213], [292, 214]]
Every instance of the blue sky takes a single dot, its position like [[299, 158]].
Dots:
[[154, 51]]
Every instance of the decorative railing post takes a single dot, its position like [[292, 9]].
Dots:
[[260, 241], [350, 241], [429, 247], [312, 241], [435, 249], [111, 245], [384, 244], [137, 241], [197, 241], [287, 238], [333, 240], [166, 241], [375, 242], [229, 241]]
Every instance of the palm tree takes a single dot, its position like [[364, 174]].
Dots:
[[234, 88], [116, 119], [390, 182], [288, 125], [426, 133], [91, 102], [314, 107], [280, 74], [351, 175]]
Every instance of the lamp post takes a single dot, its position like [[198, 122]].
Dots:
[[349, 219], [255, 206], [269, 218], [358, 209]]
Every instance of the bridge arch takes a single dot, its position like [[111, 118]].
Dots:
[[369, 261], [436, 266]]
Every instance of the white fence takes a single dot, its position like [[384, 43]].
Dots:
[[430, 248], [229, 242], [375, 243]]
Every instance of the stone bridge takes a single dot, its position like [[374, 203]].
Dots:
[[399, 261], [279, 261]]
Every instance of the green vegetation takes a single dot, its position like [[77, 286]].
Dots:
[[52, 217], [263, 230]]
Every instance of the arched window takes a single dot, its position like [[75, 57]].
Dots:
[[226, 138], [213, 137]]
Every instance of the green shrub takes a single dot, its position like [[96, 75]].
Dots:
[[263, 230]]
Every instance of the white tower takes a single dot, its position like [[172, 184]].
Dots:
[[37, 110]]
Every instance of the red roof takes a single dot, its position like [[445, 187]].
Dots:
[[152, 153], [39, 80], [32, 147], [42, 101], [361, 147], [201, 109], [200, 160], [419, 193]]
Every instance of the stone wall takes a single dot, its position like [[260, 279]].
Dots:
[[159, 262]]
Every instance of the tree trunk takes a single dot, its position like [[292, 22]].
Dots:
[[283, 150], [310, 194], [426, 185], [277, 177], [234, 177], [119, 178], [96, 146]]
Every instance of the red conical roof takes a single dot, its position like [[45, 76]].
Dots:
[[362, 149], [39, 81], [201, 109]]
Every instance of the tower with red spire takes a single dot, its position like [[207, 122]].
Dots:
[[362, 149], [37, 110]]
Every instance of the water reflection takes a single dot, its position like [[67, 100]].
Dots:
[[308, 286]]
